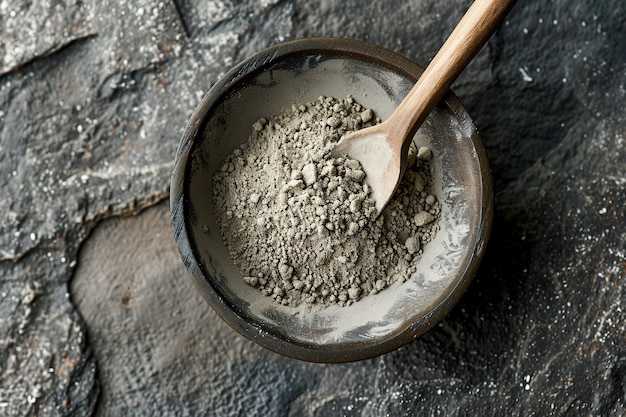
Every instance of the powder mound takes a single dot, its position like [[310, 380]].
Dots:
[[301, 226]]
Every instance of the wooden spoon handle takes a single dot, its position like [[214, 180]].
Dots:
[[475, 28]]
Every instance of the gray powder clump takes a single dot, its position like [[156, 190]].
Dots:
[[301, 226]]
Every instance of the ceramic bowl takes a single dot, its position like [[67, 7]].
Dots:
[[299, 72]]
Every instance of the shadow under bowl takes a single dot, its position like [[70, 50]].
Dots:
[[298, 72]]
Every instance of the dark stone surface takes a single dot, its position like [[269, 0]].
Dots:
[[93, 99]]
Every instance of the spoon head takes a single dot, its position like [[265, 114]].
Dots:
[[382, 163]]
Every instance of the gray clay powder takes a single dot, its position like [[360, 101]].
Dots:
[[301, 226]]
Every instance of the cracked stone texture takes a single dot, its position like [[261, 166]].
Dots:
[[97, 316]]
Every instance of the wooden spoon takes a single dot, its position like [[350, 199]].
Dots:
[[382, 149]]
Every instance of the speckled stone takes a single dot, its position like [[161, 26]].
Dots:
[[97, 317]]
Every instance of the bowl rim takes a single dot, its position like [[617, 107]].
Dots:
[[179, 201]]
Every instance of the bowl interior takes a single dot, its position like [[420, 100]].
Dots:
[[376, 323]]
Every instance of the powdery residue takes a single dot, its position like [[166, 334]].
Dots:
[[301, 226]]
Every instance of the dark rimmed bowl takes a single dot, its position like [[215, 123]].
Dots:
[[298, 72]]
